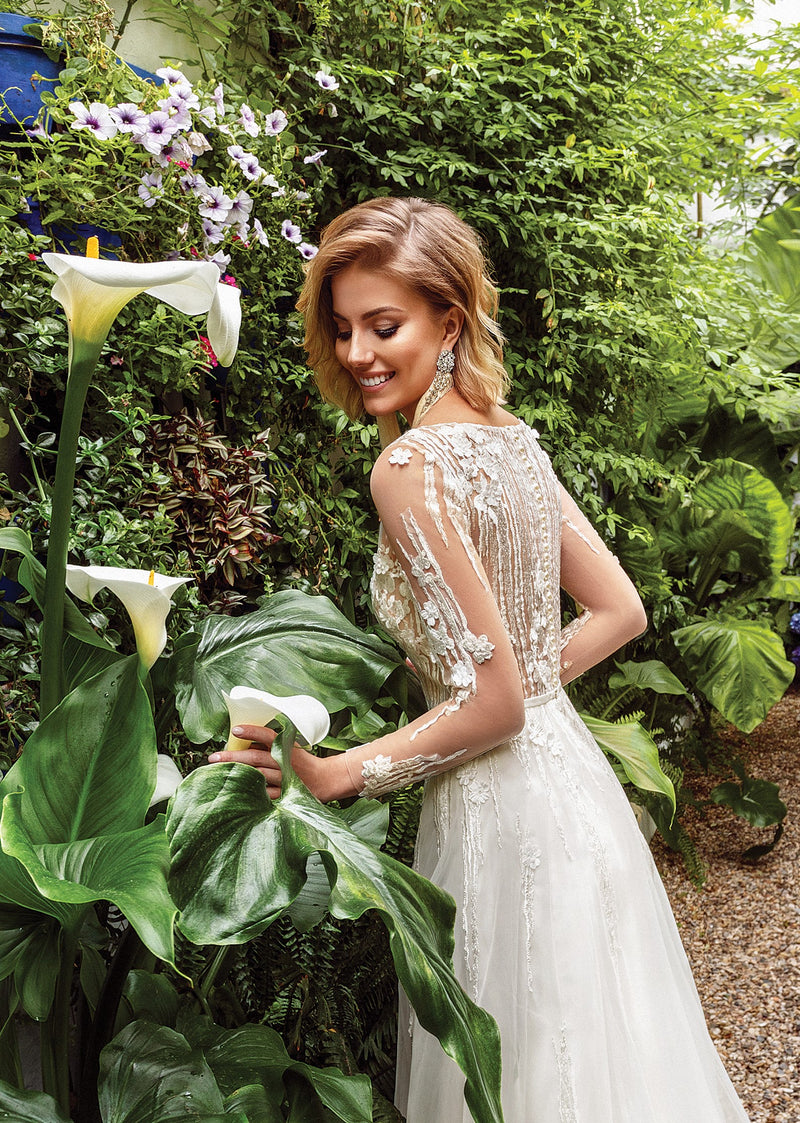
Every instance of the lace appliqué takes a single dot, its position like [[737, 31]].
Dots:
[[530, 858], [570, 631], [475, 792], [382, 775], [580, 534], [400, 456], [567, 1106]]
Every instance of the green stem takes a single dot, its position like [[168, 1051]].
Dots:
[[217, 963], [123, 23], [39, 486], [82, 363], [55, 1031]]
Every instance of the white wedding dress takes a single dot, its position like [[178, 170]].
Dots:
[[563, 932]]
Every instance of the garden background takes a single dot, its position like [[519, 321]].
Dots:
[[655, 351]]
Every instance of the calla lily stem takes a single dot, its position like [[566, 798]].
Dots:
[[81, 368]]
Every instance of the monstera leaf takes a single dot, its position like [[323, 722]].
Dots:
[[239, 860], [739, 665], [298, 644]]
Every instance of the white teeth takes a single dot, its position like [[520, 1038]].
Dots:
[[377, 380]]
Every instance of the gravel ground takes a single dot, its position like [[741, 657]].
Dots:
[[741, 930]]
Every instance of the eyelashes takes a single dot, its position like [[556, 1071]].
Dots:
[[382, 333]]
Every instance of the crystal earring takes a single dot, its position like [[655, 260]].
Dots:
[[442, 383]]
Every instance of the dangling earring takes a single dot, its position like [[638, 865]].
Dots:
[[441, 385]]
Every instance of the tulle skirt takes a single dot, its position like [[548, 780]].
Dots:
[[565, 935]]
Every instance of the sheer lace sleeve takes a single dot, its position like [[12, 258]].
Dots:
[[464, 632], [612, 612]]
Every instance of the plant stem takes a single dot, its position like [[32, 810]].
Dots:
[[39, 486], [82, 363], [55, 1031], [130, 948], [217, 963], [123, 23]]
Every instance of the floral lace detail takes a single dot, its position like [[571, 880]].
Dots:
[[400, 456], [530, 857], [475, 792], [580, 534], [382, 775], [571, 630]]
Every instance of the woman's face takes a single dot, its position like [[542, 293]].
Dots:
[[388, 338]]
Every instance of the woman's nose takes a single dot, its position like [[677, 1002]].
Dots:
[[360, 352]]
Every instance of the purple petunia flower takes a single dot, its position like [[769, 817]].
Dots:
[[37, 131], [315, 157], [258, 229], [794, 656], [794, 623], [290, 232], [212, 233], [247, 162], [128, 117], [219, 100], [247, 119], [172, 77], [97, 118], [177, 151], [150, 189], [220, 259], [240, 209], [307, 250], [214, 204], [326, 81], [275, 122], [157, 132]]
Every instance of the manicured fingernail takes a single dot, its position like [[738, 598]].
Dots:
[[213, 758], [237, 731]]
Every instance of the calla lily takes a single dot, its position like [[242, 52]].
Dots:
[[257, 707], [167, 779], [92, 292], [146, 595]]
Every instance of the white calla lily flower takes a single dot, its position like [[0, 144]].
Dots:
[[146, 595], [168, 777], [256, 707], [94, 290]]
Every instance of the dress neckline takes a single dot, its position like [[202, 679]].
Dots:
[[518, 424]]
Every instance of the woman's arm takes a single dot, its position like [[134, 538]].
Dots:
[[464, 632], [612, 611]]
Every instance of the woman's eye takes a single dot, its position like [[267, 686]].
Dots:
[[385, 333], [343, 335]]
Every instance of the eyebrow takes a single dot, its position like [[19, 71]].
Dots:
[[374, 312]]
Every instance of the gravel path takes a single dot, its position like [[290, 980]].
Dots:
[[741, 931]]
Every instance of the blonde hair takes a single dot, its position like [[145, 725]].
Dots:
[[428, 248]]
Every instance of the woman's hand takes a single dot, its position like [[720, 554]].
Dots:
[[258, 755], [325, 777]]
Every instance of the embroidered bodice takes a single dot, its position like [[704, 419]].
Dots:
[[476, 537], [493, 490]]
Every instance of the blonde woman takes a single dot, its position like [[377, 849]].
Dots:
[[563, 932]]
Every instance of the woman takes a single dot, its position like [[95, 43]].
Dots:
[[563, 930]]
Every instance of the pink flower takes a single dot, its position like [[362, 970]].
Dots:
[[208, 350]]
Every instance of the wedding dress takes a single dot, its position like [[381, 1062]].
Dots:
[[563, 931]]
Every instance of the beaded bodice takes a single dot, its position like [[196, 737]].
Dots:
[[495, 489]]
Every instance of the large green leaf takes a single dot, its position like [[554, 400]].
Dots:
[[630, 743], [757, 801], [30, 951], [149, 1074], [739, 665], [255, 1053], [74, 807], [297, 644], [773, 263], [651, 674], [240, 859], [20, 1106]]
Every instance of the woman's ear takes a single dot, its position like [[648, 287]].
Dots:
[[452, 324]]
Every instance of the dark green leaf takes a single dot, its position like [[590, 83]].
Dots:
[[651, 674], [298, 644]]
